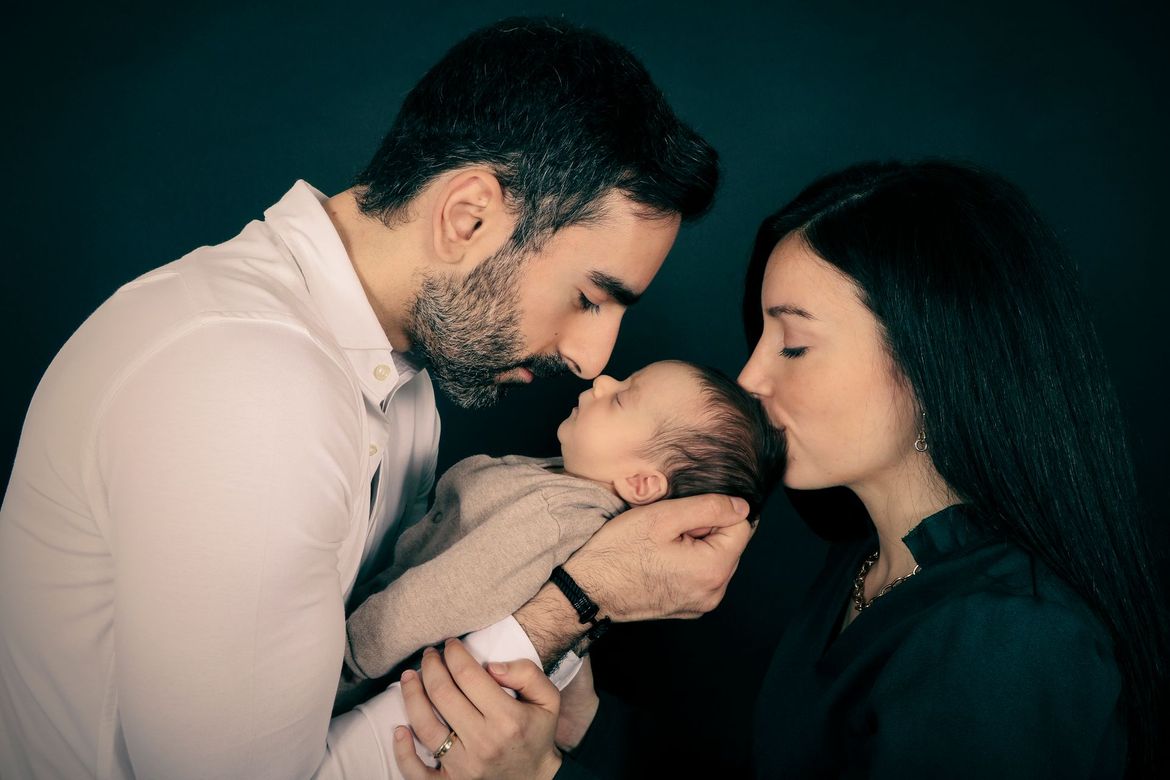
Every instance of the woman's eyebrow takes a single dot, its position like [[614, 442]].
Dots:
[[787, 308]]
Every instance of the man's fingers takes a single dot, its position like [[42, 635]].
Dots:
[[430, 730], [731, 539], [710, 511], [715, 559], [409, 763], [529, 682]]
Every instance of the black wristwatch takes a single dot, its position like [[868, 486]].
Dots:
[[583, 605]]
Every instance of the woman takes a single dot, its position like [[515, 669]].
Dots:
[[919, 337]]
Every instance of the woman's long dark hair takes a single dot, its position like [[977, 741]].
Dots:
[[982, 313]]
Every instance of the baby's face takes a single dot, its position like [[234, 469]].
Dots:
[[613, 422]]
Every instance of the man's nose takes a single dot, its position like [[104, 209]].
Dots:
[[587, 350]]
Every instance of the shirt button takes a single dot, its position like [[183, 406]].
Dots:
[[373, 449], [381, 371]]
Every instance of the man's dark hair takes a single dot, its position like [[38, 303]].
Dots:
[[562, 115], [733, 450]]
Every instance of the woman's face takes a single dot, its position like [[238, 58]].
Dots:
[[825, 377]]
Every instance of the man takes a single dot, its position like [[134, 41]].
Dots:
[[233, 441]]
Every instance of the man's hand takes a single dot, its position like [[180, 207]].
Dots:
[[579, 705], [650, 562], [667, 559], [496, 736]]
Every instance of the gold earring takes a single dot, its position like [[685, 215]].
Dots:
[[920, 443]]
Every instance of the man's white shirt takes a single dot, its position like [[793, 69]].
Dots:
[[190, 507]]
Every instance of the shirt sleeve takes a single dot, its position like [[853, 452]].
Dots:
[[228, 459], [480, 577], [504, 640], [1000, 687]]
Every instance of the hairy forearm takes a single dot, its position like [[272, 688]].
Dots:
[[551, 624], [549, 619]]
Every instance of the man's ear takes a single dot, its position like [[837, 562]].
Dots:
[[642, 488], [469, 214]]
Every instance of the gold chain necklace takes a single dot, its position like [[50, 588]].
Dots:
[[859, 601]]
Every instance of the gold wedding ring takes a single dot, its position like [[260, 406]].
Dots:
[[447, 743]]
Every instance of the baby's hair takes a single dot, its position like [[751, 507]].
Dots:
[[733, 449]]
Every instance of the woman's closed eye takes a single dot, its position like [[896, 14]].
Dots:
[[793, 352]]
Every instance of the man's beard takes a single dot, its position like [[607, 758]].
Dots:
[[468, 330]]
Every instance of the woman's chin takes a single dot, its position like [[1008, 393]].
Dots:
[[794, 480]]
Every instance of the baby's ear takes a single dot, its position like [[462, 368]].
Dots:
[[642, 488]]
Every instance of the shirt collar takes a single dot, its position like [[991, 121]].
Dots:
[[301, 222], [945, 532]]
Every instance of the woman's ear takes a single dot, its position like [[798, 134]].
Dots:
[[469, 212], [642, 488]]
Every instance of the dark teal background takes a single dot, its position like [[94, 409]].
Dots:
[[133, 135]]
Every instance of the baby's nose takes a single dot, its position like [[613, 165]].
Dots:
[[603, 383]]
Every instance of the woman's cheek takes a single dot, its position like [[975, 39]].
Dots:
[[772, 408], [796, 405]]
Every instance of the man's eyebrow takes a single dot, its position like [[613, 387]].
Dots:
[[615, 288], [786, 308]]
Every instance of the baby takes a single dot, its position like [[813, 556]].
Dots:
[[499, 526]]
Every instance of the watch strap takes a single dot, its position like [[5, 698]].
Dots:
[[583, 605]]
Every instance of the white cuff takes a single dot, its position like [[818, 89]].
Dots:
[[504, 640]]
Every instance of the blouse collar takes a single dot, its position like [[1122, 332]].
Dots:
[[944, 533]]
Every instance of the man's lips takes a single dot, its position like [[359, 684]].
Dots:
[[517, 375]]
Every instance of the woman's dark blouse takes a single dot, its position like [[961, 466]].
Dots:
[[983, 664]]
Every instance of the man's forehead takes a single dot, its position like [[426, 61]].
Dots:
[[624, 243]]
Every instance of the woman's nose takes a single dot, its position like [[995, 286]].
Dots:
[[753, 379]]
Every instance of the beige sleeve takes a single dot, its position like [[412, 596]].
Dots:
[[479, 579]]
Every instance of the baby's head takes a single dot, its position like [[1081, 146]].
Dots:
[[673, 429]]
